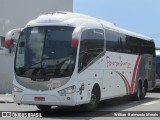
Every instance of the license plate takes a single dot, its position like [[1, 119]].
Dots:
[[39, 98]]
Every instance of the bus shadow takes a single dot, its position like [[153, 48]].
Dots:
[[106, 108], [123, 103], [155, 90]]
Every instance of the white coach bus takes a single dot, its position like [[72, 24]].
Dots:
[[69, 59]]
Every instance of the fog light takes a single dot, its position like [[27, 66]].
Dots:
[[68, 98]]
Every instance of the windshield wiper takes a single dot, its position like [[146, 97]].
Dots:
[[23, 71], [55, 73], [41, 72], [36, 70]]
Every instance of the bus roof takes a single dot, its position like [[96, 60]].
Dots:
[[77, 19]]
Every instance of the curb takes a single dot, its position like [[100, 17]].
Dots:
[[6, 101], [6, 98]]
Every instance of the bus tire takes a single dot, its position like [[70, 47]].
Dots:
[[145, 88], [138, 94], [94, 101], [44, 107]]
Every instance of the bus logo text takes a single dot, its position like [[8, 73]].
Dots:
[[119, 63]]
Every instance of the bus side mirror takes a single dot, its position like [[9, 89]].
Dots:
[[12, 37], [74, 43], [7, 43]]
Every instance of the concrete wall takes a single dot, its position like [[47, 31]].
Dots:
[[16, 13], [6, 72]]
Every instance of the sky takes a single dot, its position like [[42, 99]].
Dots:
[[140, 16]]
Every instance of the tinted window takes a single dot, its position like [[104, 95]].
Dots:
[[147, 47], [132, 45], [118, 42], [138, 46], [113, 42], [92, 44]]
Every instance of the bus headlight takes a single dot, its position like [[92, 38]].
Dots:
[[16, 89], [68, 90]]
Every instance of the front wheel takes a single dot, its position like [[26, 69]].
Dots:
[[94, 101], [44, 107]]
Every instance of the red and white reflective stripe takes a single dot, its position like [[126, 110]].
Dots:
[[130, 87], [135, 74]]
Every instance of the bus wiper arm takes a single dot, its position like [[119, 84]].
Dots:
[[55, 73], [23, 71]]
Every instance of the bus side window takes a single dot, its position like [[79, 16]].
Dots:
[[148, 47], [132, 45], [92, 44], [112, 41]]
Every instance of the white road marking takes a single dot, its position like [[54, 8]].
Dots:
[[150, 103]]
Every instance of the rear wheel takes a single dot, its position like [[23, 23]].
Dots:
[[44, 107], [145, 88], [94, 101], [138, 95]]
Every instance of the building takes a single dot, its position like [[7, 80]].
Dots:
[[16, 14]]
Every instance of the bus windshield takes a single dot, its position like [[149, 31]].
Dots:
[[45, 52]]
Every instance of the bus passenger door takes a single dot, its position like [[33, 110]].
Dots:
[[90, 71]]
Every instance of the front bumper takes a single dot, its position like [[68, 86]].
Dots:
[[29, 99]]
